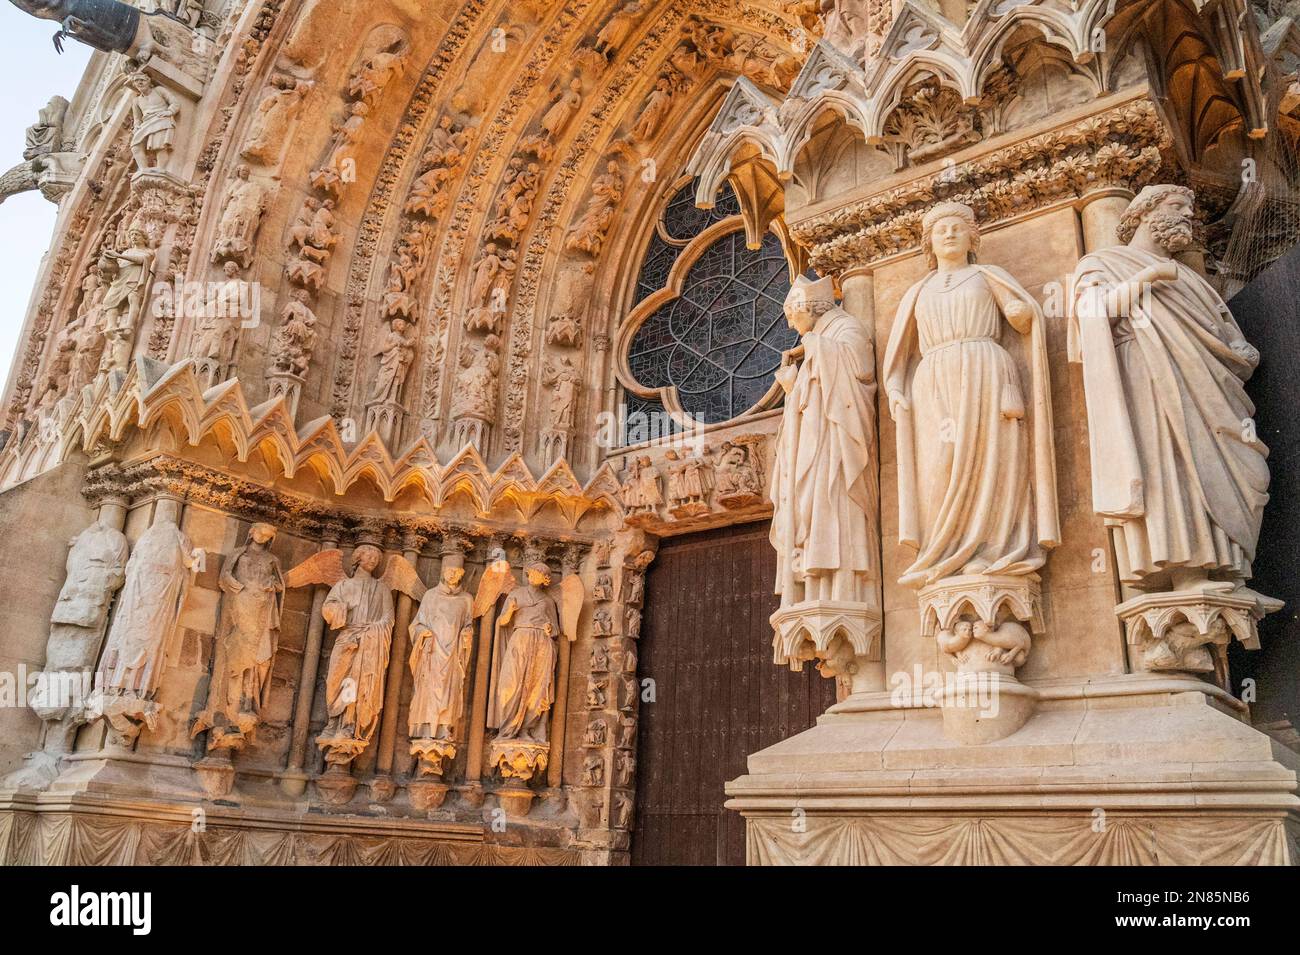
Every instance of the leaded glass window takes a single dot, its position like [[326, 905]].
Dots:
[[718, 342]]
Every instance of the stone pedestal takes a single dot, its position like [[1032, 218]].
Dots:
[[1130, 770], [844, 638], [983, 622], [1189, 630], [427, 794], [216, 774], [336, 785]]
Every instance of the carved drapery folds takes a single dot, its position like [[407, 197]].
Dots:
[[1185, 527]]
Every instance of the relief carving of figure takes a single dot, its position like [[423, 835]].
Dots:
[[296, 339], [564, 380], [218, 327], [618, 28], [640, 492], [588, 235], [377, 72], [241, 214], [340, 165], [248, 632], [395, 353], [688, 484], [738, 473], [275, 113], [476, 388], [656, 107], [977, 478], [123, 303], [562, 110]]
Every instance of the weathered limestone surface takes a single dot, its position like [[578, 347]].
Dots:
[[337, 333]]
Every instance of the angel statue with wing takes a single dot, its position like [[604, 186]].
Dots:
[[360, 607]]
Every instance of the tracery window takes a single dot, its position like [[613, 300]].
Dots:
[[707, 329]]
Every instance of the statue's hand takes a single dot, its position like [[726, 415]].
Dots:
[[1165, 271], [898, 402], [1018, 313]]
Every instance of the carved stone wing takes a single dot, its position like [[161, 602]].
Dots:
[[325, 568], [399, 575], [497, 580], [572, 596]]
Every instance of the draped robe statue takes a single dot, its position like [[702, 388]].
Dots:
[[442, 636], [1177, 468], [527, 629], [360, 607], [96, 570], [158, 577], [976, 462], [252, 586], [824, 487]]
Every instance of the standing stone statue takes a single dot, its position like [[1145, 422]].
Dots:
[[158, 578], [1177, 468], [154, 112], [976, 489], [825, 492], [96, 570], [123, 303], [527, 629], [824, 488], [361, 608], [442, 638], [248, 631], [976, 458]]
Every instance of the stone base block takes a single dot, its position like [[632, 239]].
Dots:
[[1134, 770]]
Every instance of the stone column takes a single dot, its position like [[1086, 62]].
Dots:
[[560, 709], [294, 779], [1099, 214], [382, 786], [479, 700]]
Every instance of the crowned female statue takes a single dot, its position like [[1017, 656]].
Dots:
[[976, 463]]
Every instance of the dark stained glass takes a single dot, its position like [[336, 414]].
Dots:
[[720, 343]]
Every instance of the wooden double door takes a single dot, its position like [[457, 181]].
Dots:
[[706, 643]]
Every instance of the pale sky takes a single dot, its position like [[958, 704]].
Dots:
[[30, 73]]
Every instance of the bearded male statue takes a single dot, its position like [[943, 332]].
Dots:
[[1177, 468]]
